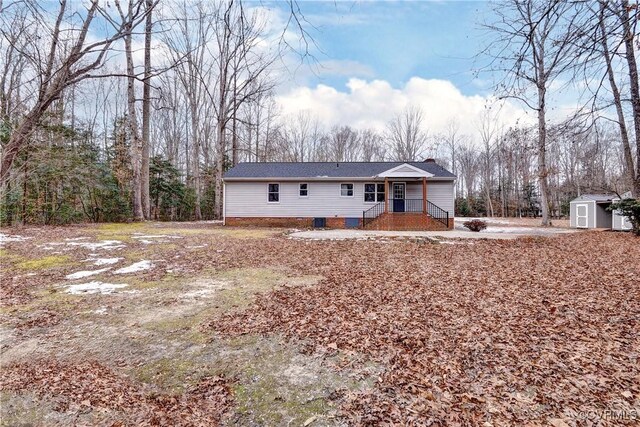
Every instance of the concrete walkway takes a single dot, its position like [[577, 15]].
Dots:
[[489, 233]]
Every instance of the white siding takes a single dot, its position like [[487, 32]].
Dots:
[[620, 222], [249, 199], [591, 212], [404, 169], [440, 193]]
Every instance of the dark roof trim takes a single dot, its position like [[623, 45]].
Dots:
[[324, 178], [328, 170]]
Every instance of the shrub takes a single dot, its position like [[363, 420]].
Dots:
[[475, 225], [631, 209]]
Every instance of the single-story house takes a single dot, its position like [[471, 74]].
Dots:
[[372, 195], [592, 211]]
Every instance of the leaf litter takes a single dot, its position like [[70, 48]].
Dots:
[[529, 331], [90, 387], [501, 332]]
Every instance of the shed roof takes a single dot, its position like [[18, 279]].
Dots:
[[598, 198], [326, 169]]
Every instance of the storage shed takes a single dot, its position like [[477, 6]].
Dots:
[[590, 211], [619, 222]]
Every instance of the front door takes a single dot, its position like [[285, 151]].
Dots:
[[398, 196]]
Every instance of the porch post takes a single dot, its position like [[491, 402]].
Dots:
[[424, 195], [386, 195]]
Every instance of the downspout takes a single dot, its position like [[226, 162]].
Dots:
[[224, 203]]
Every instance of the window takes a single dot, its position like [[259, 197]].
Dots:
[[303, 189], [373, 192], [274, 193], [346, 190]]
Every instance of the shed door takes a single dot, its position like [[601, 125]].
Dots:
[[625, 224], [582, 216]]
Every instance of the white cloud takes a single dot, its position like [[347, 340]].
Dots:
[[370, 104]]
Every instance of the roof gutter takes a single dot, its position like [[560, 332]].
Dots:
[[326, 178]]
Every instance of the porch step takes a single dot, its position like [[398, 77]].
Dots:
[[407, 221]]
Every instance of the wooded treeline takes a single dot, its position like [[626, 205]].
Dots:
[[133, 110]]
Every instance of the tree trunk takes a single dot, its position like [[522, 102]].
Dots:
[[132, 121], [634, 86], [542, 155], [146, 115], [196, 163], [219, 168], [234, 125], [624, 135]]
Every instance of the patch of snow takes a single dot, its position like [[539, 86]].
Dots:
[[135, 267], [5, 238], [101, 310], [103, 244], [104, 261], [196, 246], [82, 274], [94, 288], [524, 230], [156, 236], [74, 239]]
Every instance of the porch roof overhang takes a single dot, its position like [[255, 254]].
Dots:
[[405, 170]]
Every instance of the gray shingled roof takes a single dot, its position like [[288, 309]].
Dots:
[[326, 169], [598, 197]]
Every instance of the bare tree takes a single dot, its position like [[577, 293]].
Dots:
[[132, 116], [372, 146], [146, 111], [488, 128], [629, 23], [242, 71], [405, 135], [452, 139], [57, 57], [532, 46]]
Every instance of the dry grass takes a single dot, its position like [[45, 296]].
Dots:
[[327, 332]]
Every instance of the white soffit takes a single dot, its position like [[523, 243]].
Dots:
[[405, 170]]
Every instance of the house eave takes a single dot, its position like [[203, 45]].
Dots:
[[344, 178]]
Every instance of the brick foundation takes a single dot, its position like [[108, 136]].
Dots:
[[386, 221], [285, 222], [407, 222]]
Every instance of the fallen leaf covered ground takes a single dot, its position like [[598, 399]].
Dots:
[[91, 385], [248, 327], [531, 331]]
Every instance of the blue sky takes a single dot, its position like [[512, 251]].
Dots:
[[377, 58], [394, 41]]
